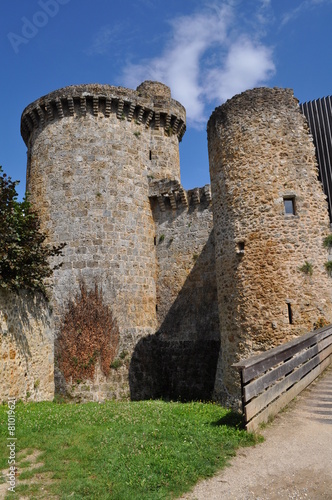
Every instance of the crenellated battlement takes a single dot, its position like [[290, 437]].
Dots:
[[172, 196], [150, 105], [194, 283]]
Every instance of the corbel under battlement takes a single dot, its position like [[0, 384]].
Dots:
[[150, 105], [172, 196]]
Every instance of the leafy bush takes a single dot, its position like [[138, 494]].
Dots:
[[24, 255], [307, 268], [327, 243], [321, 321], [89, 334], [328, 266], [117, 363]]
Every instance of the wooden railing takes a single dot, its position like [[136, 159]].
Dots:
[[270, 380]]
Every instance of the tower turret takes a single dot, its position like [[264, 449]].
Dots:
[[270, 220], [92, 151]]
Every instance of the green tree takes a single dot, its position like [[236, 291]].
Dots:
[[24, 255]]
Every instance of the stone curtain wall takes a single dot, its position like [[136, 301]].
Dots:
[[26, 347], [261, 154], [186, 280], [179, 362], [93, 149], [191, 293]]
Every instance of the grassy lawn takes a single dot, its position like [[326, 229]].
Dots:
[[120, 450]]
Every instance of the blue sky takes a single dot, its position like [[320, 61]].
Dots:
[[206, 51]]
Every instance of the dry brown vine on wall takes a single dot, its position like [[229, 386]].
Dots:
[[89, 334]]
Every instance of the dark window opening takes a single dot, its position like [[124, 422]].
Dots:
[[155, 240], [290, 314], [150, 154], [289, 205], [240, 246]]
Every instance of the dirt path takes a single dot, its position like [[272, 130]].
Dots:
[[31, 460], [294, 461]]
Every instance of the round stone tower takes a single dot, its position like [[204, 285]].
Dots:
[[92, 151], [270, 220]]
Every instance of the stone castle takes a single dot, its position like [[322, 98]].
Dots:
[[197, 279]]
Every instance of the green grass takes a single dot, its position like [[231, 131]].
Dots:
[[123, 450]]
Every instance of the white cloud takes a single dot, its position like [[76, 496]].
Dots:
[[302, 7], [103, 40], [206, 60], [248, 64], [264, 13]]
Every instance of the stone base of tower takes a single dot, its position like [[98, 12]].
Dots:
[[270, 222], [227, 392], [98, 389], [100, 386], [169, 369]]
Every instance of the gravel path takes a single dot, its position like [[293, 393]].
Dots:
[[294, 461]]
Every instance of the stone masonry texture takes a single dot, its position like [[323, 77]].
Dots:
[[26, 347], [196, 280], [272, 283], [180, 360], [93, 150]]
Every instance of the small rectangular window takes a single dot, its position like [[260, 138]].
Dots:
[[289, 205], [240, 246], [290, 313]]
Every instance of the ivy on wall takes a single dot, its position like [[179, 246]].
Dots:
[[89, 334]]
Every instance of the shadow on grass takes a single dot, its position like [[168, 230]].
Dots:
[[231, 419]]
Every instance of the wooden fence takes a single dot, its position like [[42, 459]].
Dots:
[[270, 380]]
